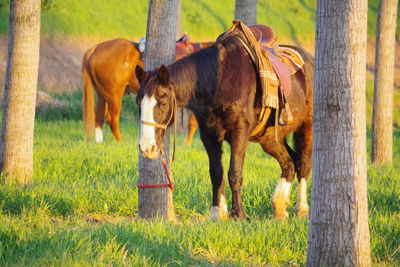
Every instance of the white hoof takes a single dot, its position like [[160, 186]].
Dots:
[[281, 199], [302, 210], [99, 135], [220, 212], [302, 205]]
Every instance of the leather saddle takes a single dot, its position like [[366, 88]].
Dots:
[[284, 60], [264, 34], [281, 62]]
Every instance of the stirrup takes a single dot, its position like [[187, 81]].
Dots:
[[289, 114]]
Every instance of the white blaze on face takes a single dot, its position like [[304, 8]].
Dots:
[[147, 133]]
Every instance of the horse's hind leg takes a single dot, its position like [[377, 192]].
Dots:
[[219, 211], [303, 144], [191, 129], [238, 141], [114, 110], [100, 116], [281, 197]]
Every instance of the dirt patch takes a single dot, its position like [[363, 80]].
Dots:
[[44, 100], [61, 60]]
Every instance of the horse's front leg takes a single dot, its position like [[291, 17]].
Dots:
[[238, 141], [219, 210]]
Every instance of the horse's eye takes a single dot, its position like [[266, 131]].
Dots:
[[161, 104], [162, 95]]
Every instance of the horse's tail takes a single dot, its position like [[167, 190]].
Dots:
[[88, 97], [303, 135]]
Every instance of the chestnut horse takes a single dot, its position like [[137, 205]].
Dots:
[[220, 85], [108, 68]]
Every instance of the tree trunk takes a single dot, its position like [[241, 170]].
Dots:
[[160, 49], [182, 113], [20, 91], [179, 21], [382, 118], [338, 232], [246, 11]]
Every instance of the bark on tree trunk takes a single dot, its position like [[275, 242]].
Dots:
[[160, 49], [16, 151], [182, 114], [382, 118], [179, 21], [338, 232], [246, 11], [182, 120]]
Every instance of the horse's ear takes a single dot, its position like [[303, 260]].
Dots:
[[140, 73], [163, 75], [187, 41]]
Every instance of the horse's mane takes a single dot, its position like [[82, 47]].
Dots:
[[196, 75], [201, 67], [197, 70]]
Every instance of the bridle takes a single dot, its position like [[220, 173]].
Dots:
[[165, 126], [164, 161]]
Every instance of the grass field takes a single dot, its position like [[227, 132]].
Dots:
[[82, 208], [202, 19]]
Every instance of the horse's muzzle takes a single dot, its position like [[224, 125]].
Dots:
[[150, 152]]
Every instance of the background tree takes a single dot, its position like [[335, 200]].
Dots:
[[16, 151], [160, 49], [382, 116], [246, 11], [182, 113], [46, 4], [338, 232], [179, 21]]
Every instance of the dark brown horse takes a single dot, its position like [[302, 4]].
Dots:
[[220, 85], [108, 68]]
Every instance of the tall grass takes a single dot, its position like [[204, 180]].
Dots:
[[82, 207]]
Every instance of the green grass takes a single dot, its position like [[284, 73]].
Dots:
[[202, 19], [370, 100], [82, 207]]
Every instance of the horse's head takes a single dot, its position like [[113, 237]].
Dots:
[[183, 47], [157, 103]]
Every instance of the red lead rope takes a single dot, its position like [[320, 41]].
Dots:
[[170, 185]]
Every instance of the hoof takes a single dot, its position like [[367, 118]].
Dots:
[[302, 211], [188, 142], [239, 216], [98, 135], [218, 213], [281, 215], [279, 206]]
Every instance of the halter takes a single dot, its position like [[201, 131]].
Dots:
[[165, 126], [164, 162]]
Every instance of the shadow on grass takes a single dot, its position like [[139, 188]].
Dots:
[[292, 30], [220, 20], [68, 106], [14, 201], [382, 201], [108, 244], [307, 7]]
